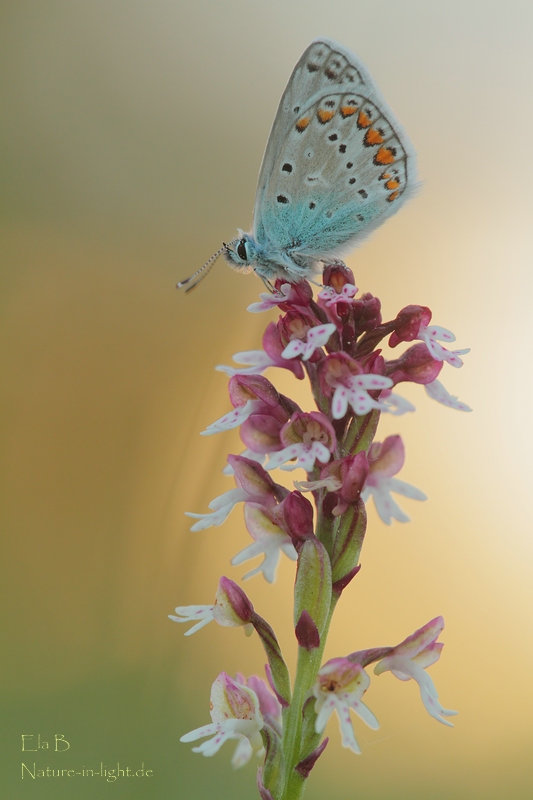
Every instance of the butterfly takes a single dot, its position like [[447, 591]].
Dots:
[[336, 165]]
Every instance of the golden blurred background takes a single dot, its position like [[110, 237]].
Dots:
[[132, 137]]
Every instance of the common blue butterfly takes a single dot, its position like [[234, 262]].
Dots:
[[337, 164]]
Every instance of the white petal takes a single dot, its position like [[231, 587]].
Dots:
[[243, 753], [199, 733], [252, 550], [385, 506], [437, 392], [281, 456], [293, 349], [405, 489], [371, 382], [231, 420], [320, 335], [366, 715], [396, 405], [326, 708], [339, 405], [257, 359], [268, 566], [348, 735]]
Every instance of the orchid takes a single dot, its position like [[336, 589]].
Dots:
[[339, 342], [236, 715], [269, 540], [386, 460], [339, 687], [411, 658]]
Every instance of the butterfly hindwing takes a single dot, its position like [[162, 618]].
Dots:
[[337, 162]]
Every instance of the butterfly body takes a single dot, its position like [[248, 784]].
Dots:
[[336, 165]]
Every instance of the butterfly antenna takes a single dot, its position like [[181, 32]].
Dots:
[[200, 274]]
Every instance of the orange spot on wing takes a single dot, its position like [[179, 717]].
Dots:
[[373, 137], [384, 156], [347, 111], [363, 120], [392, 184], [392, 196], [302, 124], [324, 116], [384, 176]]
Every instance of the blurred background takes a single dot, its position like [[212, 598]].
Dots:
[[132, 137]]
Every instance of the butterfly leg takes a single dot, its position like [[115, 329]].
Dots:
[[267, 283]]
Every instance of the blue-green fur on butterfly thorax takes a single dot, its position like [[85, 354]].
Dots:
[[288, 239], [267, 259]]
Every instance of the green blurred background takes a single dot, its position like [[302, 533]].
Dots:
[[132, 137]]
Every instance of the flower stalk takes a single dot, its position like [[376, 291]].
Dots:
[[337, 340]]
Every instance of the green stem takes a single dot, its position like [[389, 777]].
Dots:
[[309, 662]]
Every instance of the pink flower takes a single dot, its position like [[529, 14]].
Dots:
[[339, 687], [385, 460], [253, 484], [330, 297], [236, 715], [230, 609], [411, 657], [284, 294], [256, 361], [344, 379], [432, 335], [317, 337], [248, 394], [307, 438], [416, 365], [270, 540], [413, 322]]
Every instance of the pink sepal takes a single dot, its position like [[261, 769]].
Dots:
[[232, 606], [255, 481], [416, 365], [408, 322], [274, 347], [387, 458]]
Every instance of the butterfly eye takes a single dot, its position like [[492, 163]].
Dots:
[[241, 250]]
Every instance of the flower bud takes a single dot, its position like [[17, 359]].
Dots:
[[250, 476], [366, 313], [306, 632], [252, 387], [295, 324], [352, 473], [295, 515], [337, 276], [312, 588], [260, 432], [232, 607], [416, 365], [408, 322]]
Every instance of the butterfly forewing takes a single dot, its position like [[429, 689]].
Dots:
[[337, 162]]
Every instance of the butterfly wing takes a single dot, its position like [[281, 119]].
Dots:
[[337, 162]]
